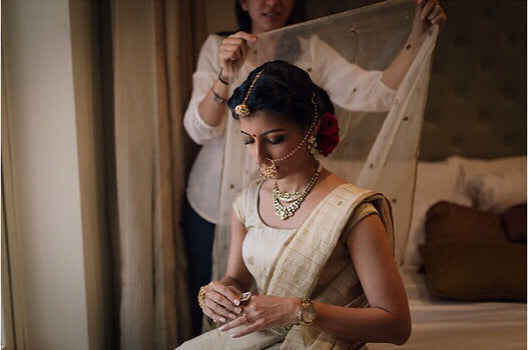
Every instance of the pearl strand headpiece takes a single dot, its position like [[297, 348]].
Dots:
[[269, 168]]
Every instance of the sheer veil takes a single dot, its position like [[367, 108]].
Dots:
[[378, 149]]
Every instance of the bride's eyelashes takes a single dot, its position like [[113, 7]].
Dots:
[[276, 139], [272, 140]]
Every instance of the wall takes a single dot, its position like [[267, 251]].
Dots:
[[220, 15], [39, 89], [477, 102]]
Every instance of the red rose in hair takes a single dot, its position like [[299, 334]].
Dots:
[[328, 137], [329, 124], [327, 144]]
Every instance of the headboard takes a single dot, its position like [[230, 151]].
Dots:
[[477, 100]]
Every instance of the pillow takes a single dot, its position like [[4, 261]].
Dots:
[[498, 191], [472, 167], [446, 180], [448, 221], [435, 181], [476, 270], [514, 222]]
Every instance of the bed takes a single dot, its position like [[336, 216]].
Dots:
[[446, 324], [440, 323]]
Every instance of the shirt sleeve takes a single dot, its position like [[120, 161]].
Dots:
[[349, 86], [203, 79], [361, 212]]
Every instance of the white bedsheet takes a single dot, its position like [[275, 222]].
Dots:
[[445, 324]]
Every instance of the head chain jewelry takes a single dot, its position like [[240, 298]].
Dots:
[[268, 167], [242, 110]]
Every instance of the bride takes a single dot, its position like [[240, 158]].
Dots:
[[317, 251]]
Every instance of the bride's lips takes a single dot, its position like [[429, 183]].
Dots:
[[272, 16]]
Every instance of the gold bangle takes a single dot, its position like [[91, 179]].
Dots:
[[202, 295]]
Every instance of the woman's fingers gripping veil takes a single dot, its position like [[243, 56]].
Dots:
[[233, 51], [432, 11]]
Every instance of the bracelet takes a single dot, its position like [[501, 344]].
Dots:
[[306, 313], [222, 79], [218, 98], [202, 295]]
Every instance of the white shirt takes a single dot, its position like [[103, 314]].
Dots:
[[348, 86]]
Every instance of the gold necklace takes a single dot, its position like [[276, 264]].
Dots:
[[286, 211]]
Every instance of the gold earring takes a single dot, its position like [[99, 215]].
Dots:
[[312, 144]]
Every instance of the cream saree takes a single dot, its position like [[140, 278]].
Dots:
[[298, 269]]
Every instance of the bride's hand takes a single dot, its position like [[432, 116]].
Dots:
[[221, 302], [265, 311], [233, 51]]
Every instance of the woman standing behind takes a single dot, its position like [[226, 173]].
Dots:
[[207, 116]]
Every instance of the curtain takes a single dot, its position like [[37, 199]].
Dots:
[[153, 50]]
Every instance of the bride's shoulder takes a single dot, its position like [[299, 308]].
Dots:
[[332, 182], [251, 188]]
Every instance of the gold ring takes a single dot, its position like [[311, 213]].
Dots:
[[245, 297], [202, 295]]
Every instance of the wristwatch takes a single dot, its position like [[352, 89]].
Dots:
[[306, 313]]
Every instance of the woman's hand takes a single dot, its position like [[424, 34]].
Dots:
[[233, 51], [265, 311], [428, 13], [221, 302]]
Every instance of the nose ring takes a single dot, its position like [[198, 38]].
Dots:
[[268, 169]]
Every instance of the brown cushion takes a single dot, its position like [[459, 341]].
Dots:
[[476, 270], [514, 222], [448, 221]]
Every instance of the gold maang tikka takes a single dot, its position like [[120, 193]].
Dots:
[[269, 168], [242, 110]]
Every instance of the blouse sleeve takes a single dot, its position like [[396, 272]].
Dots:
[[239, 206], [203, 79], [350, 86], [361, 212]]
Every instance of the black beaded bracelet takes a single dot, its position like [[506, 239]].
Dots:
[[222, 79]]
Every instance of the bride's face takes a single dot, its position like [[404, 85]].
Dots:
[[271, 136]]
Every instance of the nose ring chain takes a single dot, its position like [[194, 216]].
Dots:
[[269, 168]]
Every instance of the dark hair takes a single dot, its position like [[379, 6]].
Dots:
[[284, 89], [244, 21]]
